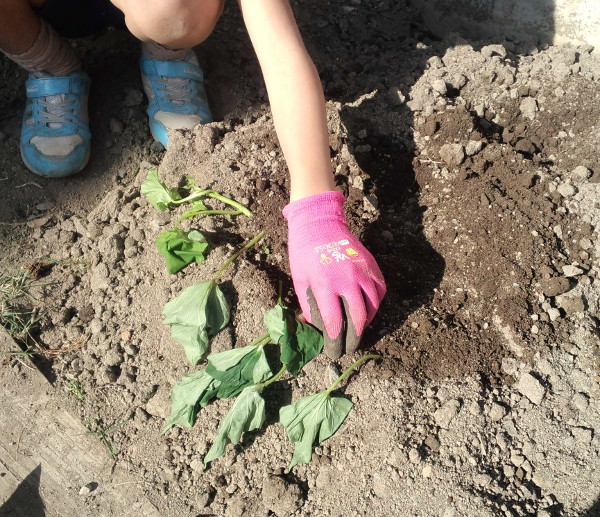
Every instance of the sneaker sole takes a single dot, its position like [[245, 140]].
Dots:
[[66, 175]]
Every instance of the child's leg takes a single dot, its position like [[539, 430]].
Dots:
[[55, 139], [19, 25], [172, 78], [29, 42]]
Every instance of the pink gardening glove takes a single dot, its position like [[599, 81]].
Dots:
[[336, 279]]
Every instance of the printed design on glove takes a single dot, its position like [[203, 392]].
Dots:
[[337, 251]]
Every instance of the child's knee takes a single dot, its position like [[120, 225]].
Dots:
[[173, 23]]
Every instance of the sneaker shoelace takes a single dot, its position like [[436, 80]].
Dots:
[[58, 110], [176, 89]]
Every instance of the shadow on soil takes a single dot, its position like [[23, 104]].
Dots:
[[26, 499]]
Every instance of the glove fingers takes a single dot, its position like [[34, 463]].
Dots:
[[372, 300], [327, 315], [303, 294], [356, 320]]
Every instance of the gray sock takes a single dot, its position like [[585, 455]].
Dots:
[[50, 53], [161, 53]]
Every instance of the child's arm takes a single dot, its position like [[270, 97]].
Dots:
[[334, 276], [295, 94]]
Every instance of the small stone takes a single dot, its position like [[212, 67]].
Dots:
[[497, 412], [585, 243], [96, 326], [112, 358], [197, 465], [531, 388], [427, 471], [572, 270], [566, 190], [414, 456], [509, 366], [439, 85], [433, 443], [370, 203], [535, 329], [473, 147], [571, 303], [133, 97], [452, 154], [160, 404], [457, 81], [529, 107], [116, 126], [554, 286], [482, 480], [553, 314], [380, 486], [362, 134], [508, 471], [87, 488], [444, 415], [542, 479], [581, 173], [516, 458], [396, 96], [496, 49]]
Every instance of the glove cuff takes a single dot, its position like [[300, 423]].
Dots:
[[322, 206]]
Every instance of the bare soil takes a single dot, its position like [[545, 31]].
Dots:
[[471, 171]]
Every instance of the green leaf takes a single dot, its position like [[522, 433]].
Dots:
[[312, 419], [190, 184], [157, 193], [238, 368], [190, 393], [300, 348], [181, 248], [300, 342], [246, 414], [196, 315], [275, 322]]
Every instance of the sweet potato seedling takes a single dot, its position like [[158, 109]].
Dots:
[[180, 247], [201, 311]]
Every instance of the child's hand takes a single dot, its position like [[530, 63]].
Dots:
[[334, 276]]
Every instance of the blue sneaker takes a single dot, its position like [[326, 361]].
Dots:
[[176, 95], [55, 134]]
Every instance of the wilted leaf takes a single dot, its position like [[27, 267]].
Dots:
[[246, 414], [196, 315], [238, 368], [312, 419], [190, 393]]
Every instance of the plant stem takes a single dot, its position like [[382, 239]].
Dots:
[[350, 369], [261, 339], [234, 257], [206, 212], [215, 195], [192, 197], [280, 293], [231, 202], [274, 378]]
